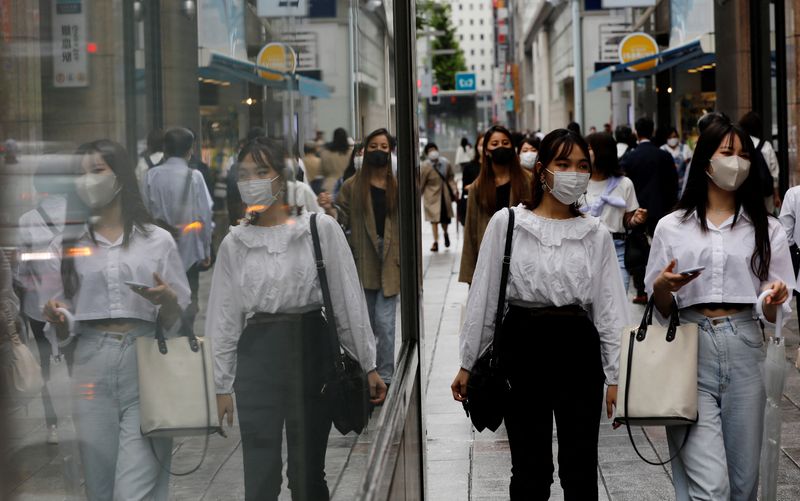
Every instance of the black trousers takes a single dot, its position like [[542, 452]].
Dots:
[[555, 369], [281, 369]]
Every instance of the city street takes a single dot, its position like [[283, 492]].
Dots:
[[461, 463]]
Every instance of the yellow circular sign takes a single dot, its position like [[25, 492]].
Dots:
[[276, 56], [636, 46]]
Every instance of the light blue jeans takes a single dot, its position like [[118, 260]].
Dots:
[[117, 461], [382, 313], [619, 245], [721, 458]]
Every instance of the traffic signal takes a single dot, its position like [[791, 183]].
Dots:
[[434, 90]]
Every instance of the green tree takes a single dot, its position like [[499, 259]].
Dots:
[[436, 17]]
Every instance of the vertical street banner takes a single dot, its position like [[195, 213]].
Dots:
[[70, 57]]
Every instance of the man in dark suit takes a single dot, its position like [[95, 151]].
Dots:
[[656, 183]]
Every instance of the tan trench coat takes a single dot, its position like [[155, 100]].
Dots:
[[375, 271], [431, 184], [475, 224]]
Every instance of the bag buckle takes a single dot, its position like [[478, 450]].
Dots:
[[506, 259], [640, 334], [320, 265]]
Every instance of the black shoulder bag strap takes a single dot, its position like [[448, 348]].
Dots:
[[760, 145], [326, 292], [501, 300], [46, 219], [639, 335]]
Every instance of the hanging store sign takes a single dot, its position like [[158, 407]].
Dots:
[[279, 57], [70, 55], [636, 46], [282, 8]]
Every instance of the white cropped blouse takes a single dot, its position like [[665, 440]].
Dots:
[[725, 251], [553, 263], [273, 270]]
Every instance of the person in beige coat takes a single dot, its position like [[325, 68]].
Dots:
[[439, 190], [334, 158], [502, 182], [366, 207]]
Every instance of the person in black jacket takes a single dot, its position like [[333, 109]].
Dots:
[[656, 183]]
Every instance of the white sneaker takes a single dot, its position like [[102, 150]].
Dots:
[[52, 435]]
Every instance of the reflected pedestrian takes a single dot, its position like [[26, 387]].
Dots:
[[334, 158], [367, 210], [177, 197], [118, 245], [37, 272], [268, 332], [566, 302], [501, 183], [439, 191], [721, 226]]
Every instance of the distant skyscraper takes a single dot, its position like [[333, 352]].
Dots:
[[474, 24]]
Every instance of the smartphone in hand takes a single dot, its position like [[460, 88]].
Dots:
[[138, 286], [692, 271]]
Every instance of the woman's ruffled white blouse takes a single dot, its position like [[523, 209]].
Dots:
[[553, 263], [273, 270]]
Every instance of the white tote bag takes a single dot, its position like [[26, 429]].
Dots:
[[176, 386], [658, 374]]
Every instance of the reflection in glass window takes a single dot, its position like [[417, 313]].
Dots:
[[162, 169]]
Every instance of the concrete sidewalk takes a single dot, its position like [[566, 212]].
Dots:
[[462, 464], [466, 465]]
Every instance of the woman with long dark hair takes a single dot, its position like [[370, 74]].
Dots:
[[334, 158], [611, 196], [268, 332], [367, 209], [721, 226], [501, 183], [118, 244], [566, 311]]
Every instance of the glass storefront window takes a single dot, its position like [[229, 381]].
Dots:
[[162, 162]]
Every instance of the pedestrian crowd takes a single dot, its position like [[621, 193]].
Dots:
[[555, 227]]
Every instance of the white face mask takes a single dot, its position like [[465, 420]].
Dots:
[[673, 142], [258, 192], [729, 172], [568, 186], [527, 159], [433, 155], [97, 190], [357, 162]]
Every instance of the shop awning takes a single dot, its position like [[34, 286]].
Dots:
[[227, 68], [689, 55]]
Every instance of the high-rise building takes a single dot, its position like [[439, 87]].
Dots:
[[474, 24]]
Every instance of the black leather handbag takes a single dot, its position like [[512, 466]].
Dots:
[[347, 390], [637, 251], [488, 388]]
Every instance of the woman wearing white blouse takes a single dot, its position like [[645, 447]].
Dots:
[[268, 334], [119, 245], [722, 226], [567, 303], [611, 196]]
